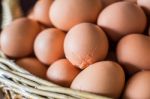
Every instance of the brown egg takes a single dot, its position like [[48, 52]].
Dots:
[[104, 78], [48, 46], [133, 1], [85, 44], [133, 51], [41, 12], [138, 86], [33, 66], [145, 4], [108, 2], [120, 19], [65, 15], [62, 72], [17, 38], [31, 15]]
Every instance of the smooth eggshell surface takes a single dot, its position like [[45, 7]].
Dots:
[[41, 11], [104, 78], [133, 1], [65, 15], [33, 66], [133, 51], [120, 19], [138, 86], [18, 37], [62, 72], [48, 45], [85, 44], [108, 2]]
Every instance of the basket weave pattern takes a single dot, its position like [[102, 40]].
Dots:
[[14, 78]]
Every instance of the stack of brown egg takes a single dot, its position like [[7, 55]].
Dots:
[[88, 45]]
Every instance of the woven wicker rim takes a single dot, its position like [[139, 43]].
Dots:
[[21, 82]]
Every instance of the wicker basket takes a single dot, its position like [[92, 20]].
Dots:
[[18, 83]]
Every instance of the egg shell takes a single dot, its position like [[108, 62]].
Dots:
[[145, 4], [48, 46], [104, 78], [34, 66], [30, 14], [18, 37], [133, 51], [41, 12], [62, 72], [120, 19], [133, 1], [138, 86], [85, 44], [65, 15], [108, 2]]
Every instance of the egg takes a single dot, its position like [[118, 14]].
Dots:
[[62, 72], [145, 4], [133, 1], [120, 19], [32, 65], [138, 86], [48, 45], [103, 78], [108, 2], [85, 44], [18, 37], [31, 15], [41, 12], [65, 15], [133, 51]]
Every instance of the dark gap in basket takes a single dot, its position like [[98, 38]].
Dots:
[[26, 6], [6, 66], [4, 76]]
